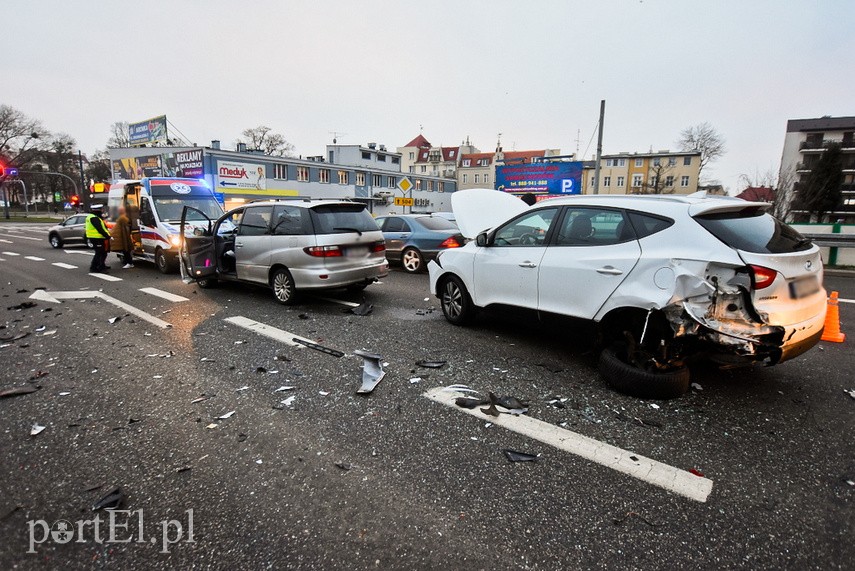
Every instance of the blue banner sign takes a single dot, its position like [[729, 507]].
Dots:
[[151, 131], [540, 178]]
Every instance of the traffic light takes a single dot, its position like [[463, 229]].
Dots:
[[75, 200]]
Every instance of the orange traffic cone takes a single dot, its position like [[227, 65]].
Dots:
[[832, 322]]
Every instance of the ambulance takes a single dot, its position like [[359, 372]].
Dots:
[[154, 207]]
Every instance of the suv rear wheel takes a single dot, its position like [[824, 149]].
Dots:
[[283, 287], [55, 241], [633, 381]]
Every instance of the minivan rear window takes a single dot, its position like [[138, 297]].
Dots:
[[754, 231], [342, 219]]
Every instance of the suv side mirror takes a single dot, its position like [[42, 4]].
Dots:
[[481, 240]]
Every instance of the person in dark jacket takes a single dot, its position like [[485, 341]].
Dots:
[[99, 237]]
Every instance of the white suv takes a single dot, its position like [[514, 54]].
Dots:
[[289, 245], [665, 278]]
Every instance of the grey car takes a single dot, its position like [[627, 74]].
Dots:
[[72, 230], [415, 239]]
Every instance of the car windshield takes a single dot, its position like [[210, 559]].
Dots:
[[432, 223], [342, 218], [751, 230], [169, 209]]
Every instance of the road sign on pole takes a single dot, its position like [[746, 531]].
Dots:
[[405, 184], [403, 201]]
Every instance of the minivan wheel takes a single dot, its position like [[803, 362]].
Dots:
[[163, 262], [411, 260], [456, 304], [283, 287], [55, 241], [636, 382]]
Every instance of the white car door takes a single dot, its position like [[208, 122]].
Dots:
[[505, 270], [591, 253], [252, 244]]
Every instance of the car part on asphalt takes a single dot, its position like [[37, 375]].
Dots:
[[288, 401], [227, 415], [431, 364], [316, 347], [372, 371], [18, 391], [362, 309], [491, 410], [631, 380], [36, 429], [471, 402], [20, 306], [111, 500], [850, 392], [514, 456]]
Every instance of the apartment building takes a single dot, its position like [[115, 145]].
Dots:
[[420, 157], [478, 170], [659, 172], [804, 143]]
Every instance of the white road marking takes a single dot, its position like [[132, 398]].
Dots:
[[64, 266], [6, 241], [106, 277], [56, 296], [27, 238], [11, 254], [672, 479], [163, 294], [266, 330], [846, 300], [333, 300], [34, 258], [84, 252]]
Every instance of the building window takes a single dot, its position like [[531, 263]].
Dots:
[[360, 179], [672, 161], [669, 180], [654, 181], [412, 156], [656, 161], [342, 177], [393, 182], [418, 184], [430, 186], [620, 181], [366, 155], [467, 162], [639, 162], [636, 180], [486, 179], [376, 180], [303, 174], [424, 168], [412, 168], [477, 178], [484, 162], [621, 162], [684, 181], [465, 178], [607, 181], [687, 161], [592, 181], [440, 186], [280, 172], [381, 158], [610, 162], [451, 153], [324, 175], [395, 160]]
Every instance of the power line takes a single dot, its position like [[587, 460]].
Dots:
[[591, 140], [185, 139]]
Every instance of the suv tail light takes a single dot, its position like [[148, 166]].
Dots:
[[379, 246], [323, 251], [450, 242], [762, 277]]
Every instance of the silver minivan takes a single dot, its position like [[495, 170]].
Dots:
[[289, 245]]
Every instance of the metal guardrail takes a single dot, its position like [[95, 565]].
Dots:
[[832, 240]]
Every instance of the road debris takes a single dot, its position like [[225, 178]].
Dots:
[[110, 501], [323, 393], [38, 375], [620, 520], [431, 364], [289, 401], [471, 402], [372, 371], [18, 391], [284, 388], [36, 429], [514, 456], [227, 415], [850, 392], [212, 426], [40, 329], [343, 466], [243, 388], [21, 306], [491, 410], [202, 398], [696, 472], [654, 405], [362, 309], [303, 316], [115, 319], [316, 347], [207, 360], [697, 387], [415, 380]]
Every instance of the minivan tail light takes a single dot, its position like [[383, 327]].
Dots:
[[379, 246], [324, 251], [450, 242], [762, 277]]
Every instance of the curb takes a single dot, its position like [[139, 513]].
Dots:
[[839, 273]]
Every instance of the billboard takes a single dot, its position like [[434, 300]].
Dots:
[[183, 164], [137, 167], [540, 178], [233, 175], [150, 131]]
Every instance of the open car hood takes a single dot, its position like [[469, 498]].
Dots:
[[479, 209]]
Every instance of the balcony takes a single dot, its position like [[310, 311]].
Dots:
[[846, 143]]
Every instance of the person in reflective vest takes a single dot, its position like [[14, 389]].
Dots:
[[99, 237]]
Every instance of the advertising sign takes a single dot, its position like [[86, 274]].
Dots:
[[240, 176], [186, 164], [138, 167], [150, 131], [540, 178]]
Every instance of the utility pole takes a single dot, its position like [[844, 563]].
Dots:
[[83, 194], [596, 188]]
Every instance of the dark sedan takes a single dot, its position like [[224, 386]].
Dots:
[[415, 239]]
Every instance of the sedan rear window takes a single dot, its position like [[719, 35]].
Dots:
[[342, 218], [751, 230], [432, 223]]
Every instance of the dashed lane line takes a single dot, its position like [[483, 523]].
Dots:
[[83, 252], [163, 294], [266, 330], [34, 258], [24, 237], [846, 300], [672, 479], [106, 277], [11, 254], [6, 241], [64, 265]]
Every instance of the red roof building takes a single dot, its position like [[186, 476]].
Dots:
[[757, 194]]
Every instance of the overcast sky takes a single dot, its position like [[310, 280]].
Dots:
[[533, 71]]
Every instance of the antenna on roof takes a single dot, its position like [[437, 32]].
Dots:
[[335, 136]]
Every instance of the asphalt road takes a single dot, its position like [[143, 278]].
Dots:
[[420, 485]]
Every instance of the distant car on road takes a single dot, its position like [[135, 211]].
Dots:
[[666, 279], [69, 231], [415, 239], [288, 246]]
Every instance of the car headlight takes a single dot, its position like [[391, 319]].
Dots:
[[175, 240]]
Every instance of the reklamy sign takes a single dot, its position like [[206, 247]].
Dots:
[[541, 178], [183, 164], [149, 131], [240, 176]]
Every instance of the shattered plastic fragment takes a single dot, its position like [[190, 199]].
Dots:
[[415, 380], [40, 329], [212, 425], [227, 415], [115, 319], [362, 309], [243, 388], [431, 364], [200, 399], [697, 387], [289, 401], [372, 371], [284, 388], [111, 500], [696, 472], [343, 466], [316, 347], [514, 456], [17, 391], [491, 410], [654, 405], [37, 429], [470, 402], [850, 392], [323, 393], [206, 360]]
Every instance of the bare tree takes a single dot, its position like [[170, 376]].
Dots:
[[19, 135], [659, 181], [702, 137], [264, 139], [119, 137]]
